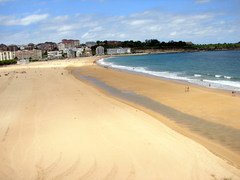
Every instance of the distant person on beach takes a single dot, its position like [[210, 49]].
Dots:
[[233, 93], [187, 89]]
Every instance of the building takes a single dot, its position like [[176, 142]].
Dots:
[[70, 53], [12, 48], [21, 47], [189, 43], [30, 46], [47, 46], [6, 55], [3, 47], [87, 51], [99, 51], [55, 54], [79, 52], [90, 44], [61, 46], [29, 54], [118, 51], [68, 44]]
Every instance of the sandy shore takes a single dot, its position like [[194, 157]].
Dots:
[[217, 108], [53, 126]]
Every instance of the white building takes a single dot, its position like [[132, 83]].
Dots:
[[55, 54], [118, 51], [61, 46], [68, 44], [7, 55], [99, 51], [87, 51], [70, 53], [79, 52], [29, 54]]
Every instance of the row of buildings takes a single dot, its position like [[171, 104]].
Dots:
[[67, 48], [21, 54]]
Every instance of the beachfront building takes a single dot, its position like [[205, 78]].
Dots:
[[6, 55], [87, 51], [61, 46], [99, 51], [44, 47], [55, 54], [79, 52], [21, 47], [118, 51], [3, 47], [12, 47], [29, 54], [69, 53], [68, 44]]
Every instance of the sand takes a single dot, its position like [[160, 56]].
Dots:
[[53, 126], [213, 106]]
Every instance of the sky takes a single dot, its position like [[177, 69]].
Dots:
[[198, 21]]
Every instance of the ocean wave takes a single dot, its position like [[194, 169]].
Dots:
[[197, 75], [203, 81], [224, 83], [218, 76], [227, 77], [144, 70]]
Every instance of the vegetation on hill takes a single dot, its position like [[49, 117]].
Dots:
[[155, 44]]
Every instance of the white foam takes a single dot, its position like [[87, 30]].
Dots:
[[153, 73], [219, 84], [197, 75], [227, 77], [233, 84], [144, 70]]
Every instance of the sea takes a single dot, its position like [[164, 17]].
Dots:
[[212, 69]]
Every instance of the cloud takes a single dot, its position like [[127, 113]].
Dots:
[[197, 27], [31, 19]]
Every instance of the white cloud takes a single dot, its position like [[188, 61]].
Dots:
[[31, 19], [199, 28]]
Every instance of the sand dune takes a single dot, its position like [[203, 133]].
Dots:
[[53, 126]]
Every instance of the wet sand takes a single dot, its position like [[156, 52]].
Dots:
[[219, 133], [54, 126]]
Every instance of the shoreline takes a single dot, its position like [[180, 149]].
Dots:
[[54, 126], [225, 153], [184, 82]]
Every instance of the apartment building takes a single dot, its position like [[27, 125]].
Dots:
[[6, 55], [118, 51]]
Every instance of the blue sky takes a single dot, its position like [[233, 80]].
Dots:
[[199, 21]]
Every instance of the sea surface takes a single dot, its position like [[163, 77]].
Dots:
[[213, 69]]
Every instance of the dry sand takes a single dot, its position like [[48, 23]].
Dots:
[[53, 126]]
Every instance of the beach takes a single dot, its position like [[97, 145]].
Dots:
[[56, 125], [218, 109]]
